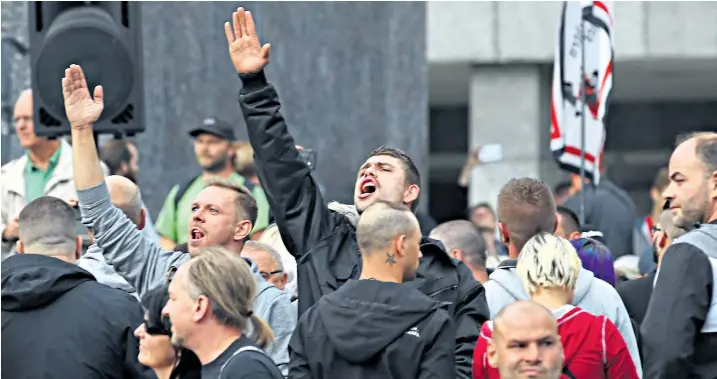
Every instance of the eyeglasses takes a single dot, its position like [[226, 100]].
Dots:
[[266, 275]]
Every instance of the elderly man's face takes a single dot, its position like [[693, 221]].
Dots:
[[268, 268]]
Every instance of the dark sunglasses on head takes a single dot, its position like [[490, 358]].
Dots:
[[155, 330]]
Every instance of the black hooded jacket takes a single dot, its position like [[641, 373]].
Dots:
[[323, 240], [58, 322], [372, 329]]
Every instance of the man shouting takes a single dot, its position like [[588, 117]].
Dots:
[[323, 240]]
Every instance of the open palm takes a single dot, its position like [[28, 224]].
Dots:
[[247, 54], [81, 109]]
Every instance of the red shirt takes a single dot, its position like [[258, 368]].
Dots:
[[593, 346]]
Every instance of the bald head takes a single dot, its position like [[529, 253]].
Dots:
[[462, 235], [381, 222], [48, 227], [522, 312], [125, 195]]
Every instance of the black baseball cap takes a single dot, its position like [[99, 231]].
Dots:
[[215, 126]]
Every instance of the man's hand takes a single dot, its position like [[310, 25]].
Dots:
[[245, 50], [82, 110], [12, 230]]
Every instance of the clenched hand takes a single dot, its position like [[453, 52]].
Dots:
[[247, 54], [82, 110]]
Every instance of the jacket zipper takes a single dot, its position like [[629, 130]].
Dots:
[[442, 290]]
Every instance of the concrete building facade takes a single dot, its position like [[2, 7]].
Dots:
[[490, 65]]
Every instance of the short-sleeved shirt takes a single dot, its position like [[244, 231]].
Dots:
[[174, 223], [36, 178]]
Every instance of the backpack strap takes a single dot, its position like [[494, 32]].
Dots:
[[183, 187], [566, 372], [243, 349]]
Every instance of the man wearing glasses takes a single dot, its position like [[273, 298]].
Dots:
[[268, 260]]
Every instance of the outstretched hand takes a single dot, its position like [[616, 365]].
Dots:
[[247, 54], [81, 109]]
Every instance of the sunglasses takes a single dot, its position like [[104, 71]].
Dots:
[[159, 330]]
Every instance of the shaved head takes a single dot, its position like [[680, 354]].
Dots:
[[380, 223], [521, 311], [125, 195], [462, 235], [48, 226], [526, 343]]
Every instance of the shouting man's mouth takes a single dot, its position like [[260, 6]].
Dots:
[[196, 236], [367, 188]]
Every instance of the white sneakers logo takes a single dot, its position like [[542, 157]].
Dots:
[[413, 332]]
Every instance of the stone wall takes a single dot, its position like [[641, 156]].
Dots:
[[352, 76]]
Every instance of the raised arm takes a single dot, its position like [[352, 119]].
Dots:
[[295, 199], [142, 263]]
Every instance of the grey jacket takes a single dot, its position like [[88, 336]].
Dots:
[[144, 265], [591, 294], [94, 262]]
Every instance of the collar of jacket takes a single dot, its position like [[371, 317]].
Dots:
[[62, 172], [349, 211]]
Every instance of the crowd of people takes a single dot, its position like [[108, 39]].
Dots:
[[249, 272]]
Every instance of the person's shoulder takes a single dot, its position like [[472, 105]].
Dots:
[[630, 286], [109, 298], [251, 364]]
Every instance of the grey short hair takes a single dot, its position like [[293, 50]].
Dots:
[[265, 247], [462, 235], [48, 226], [380, 223]]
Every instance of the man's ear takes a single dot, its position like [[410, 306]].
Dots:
[[399, 245], [78, 247], [142, 218], [504, 234], [713, 185], [457, 254], [411, 194], [574, 235], [201, 308], [242, 230], [20, 247], [492, 354], [555, 228]]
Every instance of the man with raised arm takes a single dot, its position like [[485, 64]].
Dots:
[[325, 239], [222, 215]]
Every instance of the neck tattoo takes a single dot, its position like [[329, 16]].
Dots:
[[391, 259]]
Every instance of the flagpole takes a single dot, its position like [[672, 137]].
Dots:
[[583, 98]]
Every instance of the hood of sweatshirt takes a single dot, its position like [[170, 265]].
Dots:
[[364, 316], [31, 281], [511, 283]]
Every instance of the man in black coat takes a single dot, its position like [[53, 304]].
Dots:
[[57, 320], [324, 240], [376, 327]]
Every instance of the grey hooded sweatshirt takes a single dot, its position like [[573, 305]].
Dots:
[[94, 262], [145, 265], [591, 294]]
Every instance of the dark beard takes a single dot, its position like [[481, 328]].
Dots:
[[132, 176], [215, 167]]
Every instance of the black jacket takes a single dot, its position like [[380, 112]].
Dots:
[[372, 329], [58, 322], [324, 241], [673, 341]]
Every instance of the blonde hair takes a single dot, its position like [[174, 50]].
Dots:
[[244, 159], [226, 279], [548, 261]]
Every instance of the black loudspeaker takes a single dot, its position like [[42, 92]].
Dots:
[[105, 38]]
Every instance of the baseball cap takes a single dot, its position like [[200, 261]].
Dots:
[[215, 126]]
